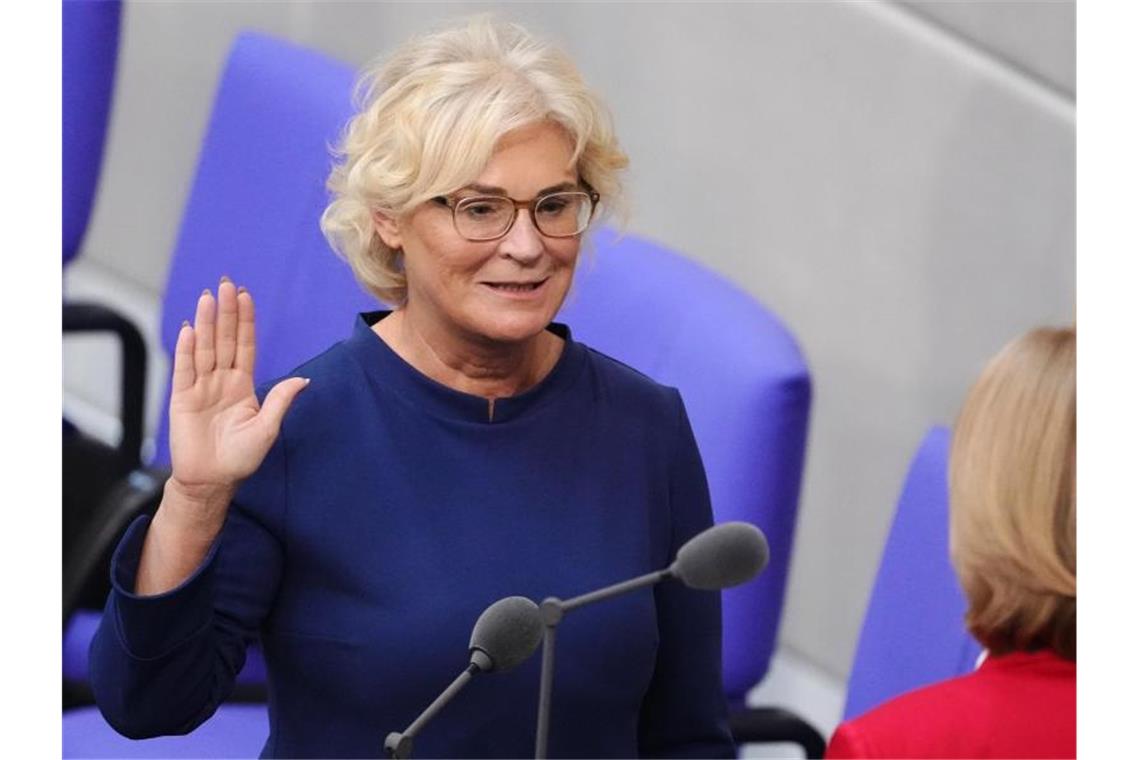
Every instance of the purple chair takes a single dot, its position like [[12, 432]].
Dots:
[[264, 160], [235, 731], [91, 468], [253, 215], [913, 633], [254, 210], [90, 49], [748, 394]]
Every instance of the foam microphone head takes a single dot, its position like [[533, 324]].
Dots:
[[724, 555], [506, 634]]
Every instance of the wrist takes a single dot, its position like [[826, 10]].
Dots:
[[195, 509], [200, 495]]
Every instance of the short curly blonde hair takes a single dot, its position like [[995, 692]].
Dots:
[[1013, 504], [427, 123]]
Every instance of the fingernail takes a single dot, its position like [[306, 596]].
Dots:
[[226, 279], [186, 323], [206, 292], [308, 380], [243, 289]]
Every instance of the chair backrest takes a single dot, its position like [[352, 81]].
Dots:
[[913, 633], [255, 203], [748, 394], [253, 215], [90, 49]]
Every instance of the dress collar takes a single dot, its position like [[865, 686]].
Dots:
[[398, 376]]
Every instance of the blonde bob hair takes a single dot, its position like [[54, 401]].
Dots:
[[1013, 510], [428, 120]]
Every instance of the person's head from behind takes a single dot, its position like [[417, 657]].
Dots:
[[1013, 497], [452, 128]]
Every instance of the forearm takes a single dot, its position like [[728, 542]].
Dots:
[[184, 528]]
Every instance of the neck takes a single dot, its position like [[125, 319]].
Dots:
[[469, 365]]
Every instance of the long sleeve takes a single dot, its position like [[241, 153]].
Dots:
[[162, 664], [684, 713]]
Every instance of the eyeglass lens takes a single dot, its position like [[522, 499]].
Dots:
[[555, 215]]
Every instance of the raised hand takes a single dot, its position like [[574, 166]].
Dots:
[[219, 434]]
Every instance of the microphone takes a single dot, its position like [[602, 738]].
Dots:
[[723, 556], [719, 557], [506, 634]]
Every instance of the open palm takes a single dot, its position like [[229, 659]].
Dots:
[[219, 433]]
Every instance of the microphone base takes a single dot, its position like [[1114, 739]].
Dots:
[[398, 746]]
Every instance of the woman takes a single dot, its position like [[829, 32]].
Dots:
[[455, 450], [1013, 524]]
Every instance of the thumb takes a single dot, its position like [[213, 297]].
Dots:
[[278, 401]]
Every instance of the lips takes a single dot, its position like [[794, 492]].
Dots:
[[512, 286]]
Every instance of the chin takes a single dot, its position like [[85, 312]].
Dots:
[[512, 328], [510, 320]]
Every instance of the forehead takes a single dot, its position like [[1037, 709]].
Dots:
[[530, 159]]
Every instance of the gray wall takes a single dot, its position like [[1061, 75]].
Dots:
[[896, 180]]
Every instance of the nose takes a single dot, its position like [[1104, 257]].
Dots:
[[523, 242]]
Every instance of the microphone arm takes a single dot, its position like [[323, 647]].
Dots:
[[399, 745], [719, 557], [553, 610], [506, 634]]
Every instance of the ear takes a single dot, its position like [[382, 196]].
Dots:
[[388, 229]]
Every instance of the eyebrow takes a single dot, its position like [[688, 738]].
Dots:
[[493, 190]]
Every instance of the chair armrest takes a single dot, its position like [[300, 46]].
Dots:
[[93, 317], [774, 724], [137, 494]]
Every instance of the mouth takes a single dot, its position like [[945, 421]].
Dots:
[[516, 287]]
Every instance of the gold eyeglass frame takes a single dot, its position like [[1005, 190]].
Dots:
[[530, 207]]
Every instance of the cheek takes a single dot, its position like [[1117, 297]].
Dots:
[[566, 254], [432, 262]]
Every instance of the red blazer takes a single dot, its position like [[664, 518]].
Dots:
[[1018, 705]]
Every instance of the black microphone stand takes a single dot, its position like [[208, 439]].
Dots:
[[553, 610]]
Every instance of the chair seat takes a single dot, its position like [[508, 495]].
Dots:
[[234, 731], [77, 637]]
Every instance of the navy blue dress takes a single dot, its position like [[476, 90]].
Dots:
[[393, 510]]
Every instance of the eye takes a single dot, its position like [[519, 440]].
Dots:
[[480, 209], [553, 205], [441, 201]]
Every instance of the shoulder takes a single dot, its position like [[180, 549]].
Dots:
[[628, 388], [893, 728], [330, 366], [338, 381], [985, 713]]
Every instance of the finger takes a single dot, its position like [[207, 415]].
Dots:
[[277, 402], [246, 340], [183, 378], [225, 338], [204, 334]]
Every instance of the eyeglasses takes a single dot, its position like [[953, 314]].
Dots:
[[489, 217]]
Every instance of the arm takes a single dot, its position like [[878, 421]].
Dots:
[[161, 664], [684, 713], [191, 586]]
